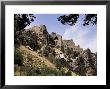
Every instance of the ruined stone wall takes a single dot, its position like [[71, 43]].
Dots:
[[43, 38], [39, 31], [58, 41], [70, 44]]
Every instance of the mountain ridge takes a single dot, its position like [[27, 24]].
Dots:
[[62, 54]]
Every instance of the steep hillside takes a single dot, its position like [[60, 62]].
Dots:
[[38, 53], [41, 61], [32, 63]]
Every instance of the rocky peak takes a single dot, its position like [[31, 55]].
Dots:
[[82, 62], [43, 27]]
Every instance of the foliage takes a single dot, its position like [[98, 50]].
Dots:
[[31, 40], [90, 19], [27, 38], [22, 20], [51, 57], [71, 19], [46, 71], [47, 50], [18, 58], [76, 54], [60, 63], [29, 65], [69, 73], [37, 71], [51, 40]]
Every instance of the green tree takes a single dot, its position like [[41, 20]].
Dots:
[[71, 19], [22, 20]]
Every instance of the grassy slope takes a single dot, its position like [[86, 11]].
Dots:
[[35, 56], [32, 59]]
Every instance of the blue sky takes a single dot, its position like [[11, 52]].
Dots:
[[85, 36]]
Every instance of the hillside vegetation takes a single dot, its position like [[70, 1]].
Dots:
[[38, 53], [31, 63]]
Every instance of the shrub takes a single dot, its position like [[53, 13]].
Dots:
[[69, 73], [18, 57], [51, 40], [60, 63], [76, 54], [45, 71]]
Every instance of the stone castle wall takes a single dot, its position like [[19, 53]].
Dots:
[[66, 43], [57, 39], [70, 44], [39, 30]]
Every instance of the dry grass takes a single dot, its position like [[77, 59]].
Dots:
[[36, 58], [32, 59]]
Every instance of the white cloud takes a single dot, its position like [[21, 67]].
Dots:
[[81, 37]]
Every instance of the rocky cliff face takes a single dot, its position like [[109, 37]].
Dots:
[[37, 39], [85, 63]]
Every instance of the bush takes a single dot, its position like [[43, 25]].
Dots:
[[45, 71], [18, 57], [46, 50], [76, 54], [69, 73], [51, 40], [60, 63]]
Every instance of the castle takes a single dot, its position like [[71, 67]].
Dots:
[[59, 42], [57, 50], [42, 34]]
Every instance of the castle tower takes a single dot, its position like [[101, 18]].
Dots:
[[57, 39]]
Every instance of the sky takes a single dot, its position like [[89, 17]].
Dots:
[[85, 36]]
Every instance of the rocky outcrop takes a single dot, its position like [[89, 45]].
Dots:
[[51, 46], [85, 64]]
